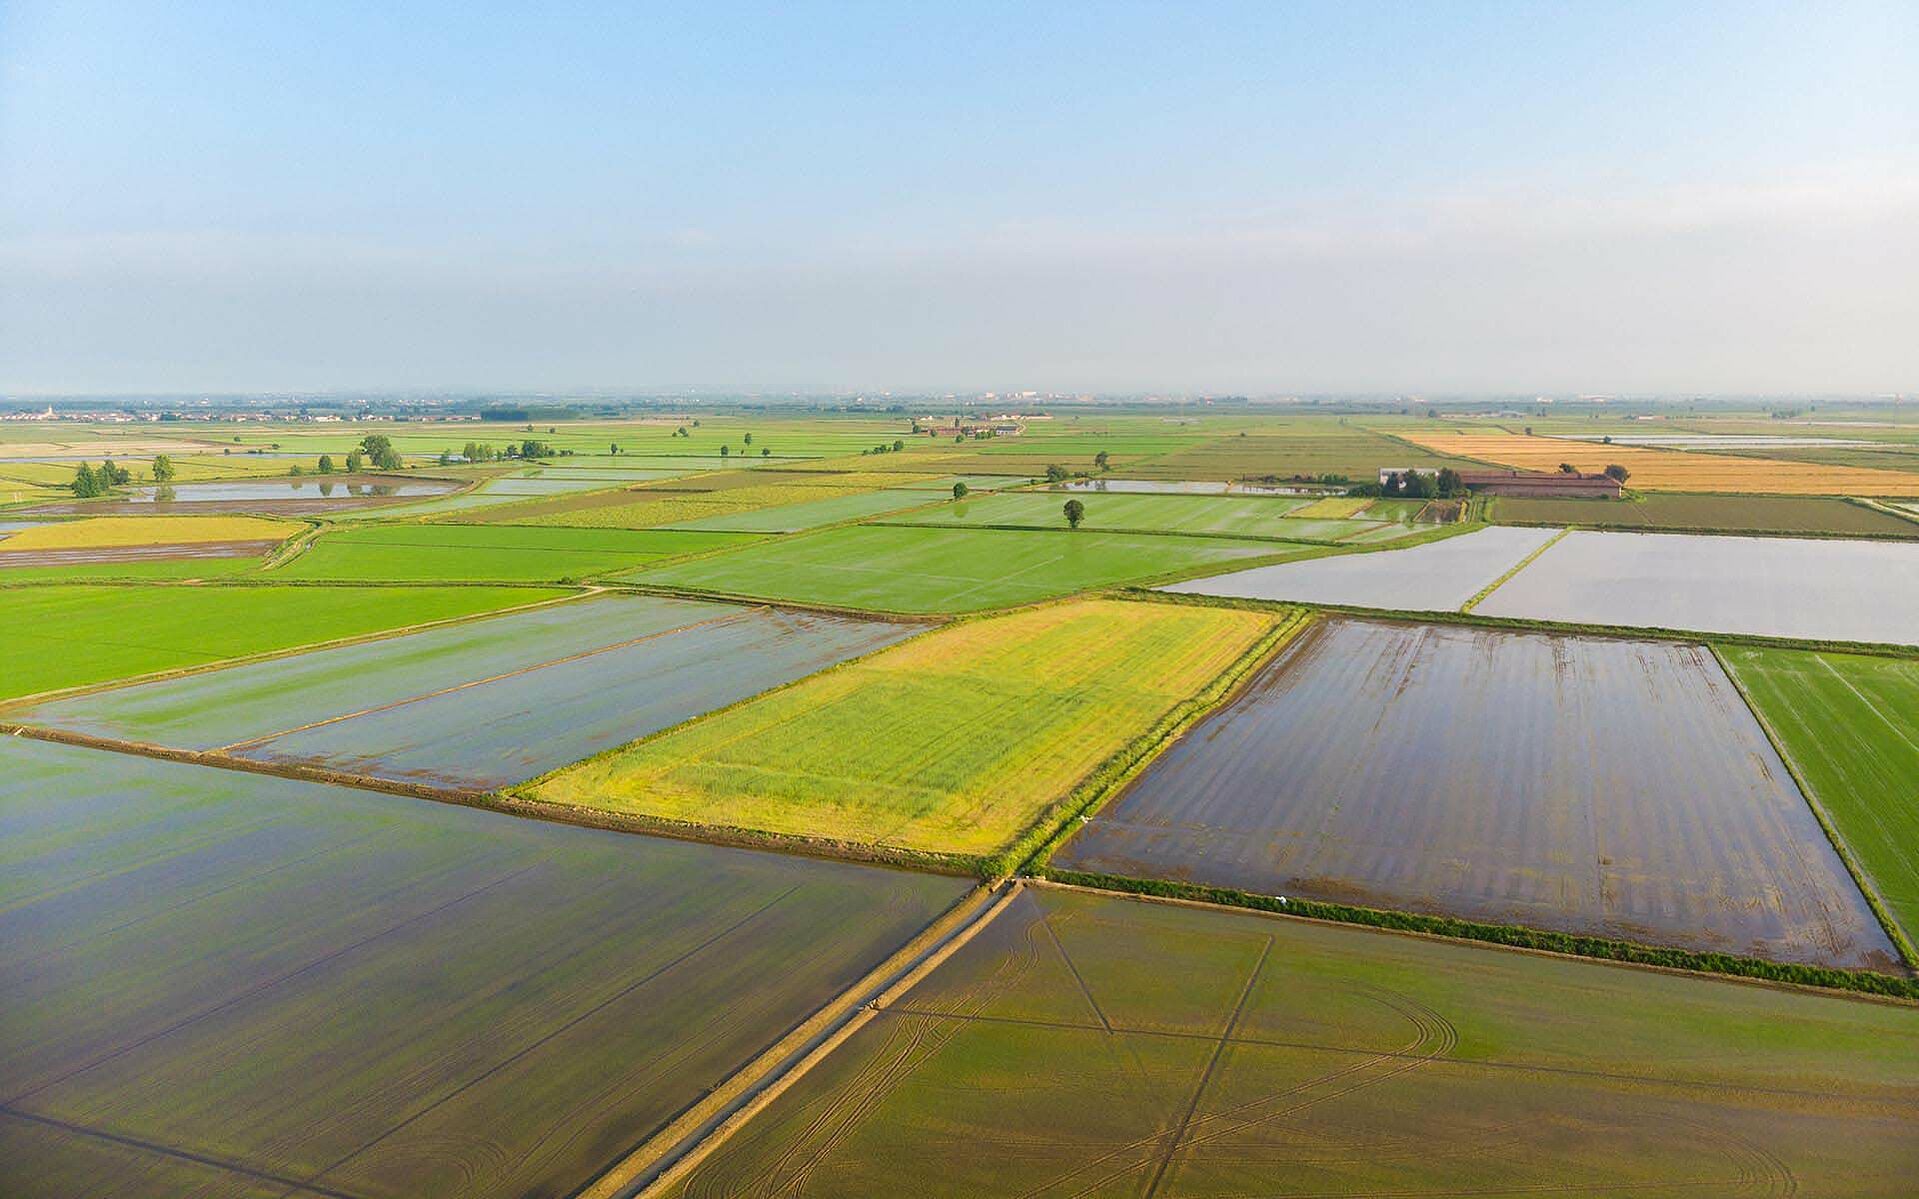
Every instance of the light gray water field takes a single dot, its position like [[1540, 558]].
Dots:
[[311, 487], [487, 703], [240, 703], [224, 984], [1605, 787], [509, 730], [1799, 587], [1439, 576]]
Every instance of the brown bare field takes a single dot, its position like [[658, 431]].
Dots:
[[1672, 470], [1598, 787], [102, 555]]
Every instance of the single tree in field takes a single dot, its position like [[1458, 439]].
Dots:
[[1567, 468], [1075, 512], [354, 462], [85, 484], [1055, 473], [613, 448], [162, 469], [748, 439], [960, 490], [725, 450], [326, 463], [1618, 473], [898, 445], [1100, 461], [765, 453]]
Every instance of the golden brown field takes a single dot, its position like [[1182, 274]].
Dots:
[[1672, 470]]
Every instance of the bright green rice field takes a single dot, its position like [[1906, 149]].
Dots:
[[432, 553], [939, 570], [1240, 516], [71, 635], [1850, 725]]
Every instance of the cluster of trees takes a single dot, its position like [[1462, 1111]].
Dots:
[[378, 448], [89, 482], [895, 448], [1414, 485], [481, 451]]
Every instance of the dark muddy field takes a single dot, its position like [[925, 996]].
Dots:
[[1613, 788], [1087, 1045], [100, 555], [223, 984]]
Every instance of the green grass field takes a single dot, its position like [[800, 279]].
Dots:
[[1094, 1046], [434, 553], [939, 570], [1139, 512], [150, 570], [952, 743], [72, 635], [1850, 725]]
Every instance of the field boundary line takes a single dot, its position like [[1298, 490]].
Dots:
[[1518, 566], [574, 594], [1901, 990], [673, 591], [561, 661], [670, 1154], [1867, 888]]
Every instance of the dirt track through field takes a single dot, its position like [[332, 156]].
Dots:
[[1237, 1055]]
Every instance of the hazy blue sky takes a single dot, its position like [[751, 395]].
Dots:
[[1264, 197]]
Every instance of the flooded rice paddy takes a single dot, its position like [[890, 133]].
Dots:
[[484, 703], [1438, 576], [1611, 788], [224, 984], [1822, 589]]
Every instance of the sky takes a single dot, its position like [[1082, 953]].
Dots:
[[1267, 199]]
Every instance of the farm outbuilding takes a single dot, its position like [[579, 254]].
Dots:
[[1516, 482]]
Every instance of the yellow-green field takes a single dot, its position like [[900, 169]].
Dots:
[[97, 532], [953, 743]]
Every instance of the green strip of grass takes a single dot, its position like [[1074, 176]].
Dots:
[[1848, 725], [72, 635]]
